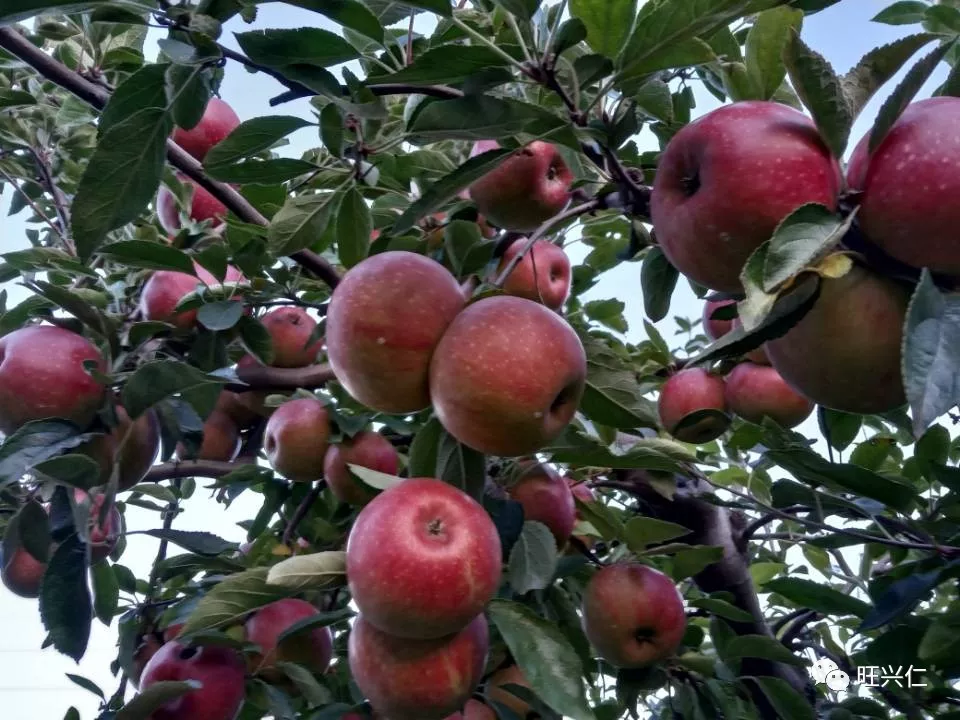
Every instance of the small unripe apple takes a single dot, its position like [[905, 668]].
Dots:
[[511, 675], [693, 390], [507, 376], [383, 323], [290, 331], [166, 288], [633, 615], [542, 275], [366, 449], [526, 189], [221, 439], [727, 180], [423, 558], [102, 536], [220, 670], [311, 648], [203, 206], [131, 445], [22, 573], [407, 679], [218, 121], [757, 391], [297, 438], [42, 375], [546, 498]]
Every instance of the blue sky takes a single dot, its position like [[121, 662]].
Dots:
[[32, 684]]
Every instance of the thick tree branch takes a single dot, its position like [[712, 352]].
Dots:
[[176, 470], [262, 377], [98, 96]]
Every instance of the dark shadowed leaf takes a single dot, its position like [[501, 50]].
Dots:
[[331, 129], [423, 450], [148, 255], [443, 64], [787, 701], [86, 684], [658, 279], [815, 596], [533, 558], [141, 706], [106, 591], [252, 137], [460, 466], [524, 9], [762, 646], [320, 620], [65, 606], [349, 13], [301, 46], [900, 598], [72, 469], [877, 67], [159, 379], [721, 608], [188, 92], [354, 227], [201, 543], [548, 660], [33, 443], [904, 12]]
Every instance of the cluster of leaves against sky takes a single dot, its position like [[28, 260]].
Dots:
[[85, 126]]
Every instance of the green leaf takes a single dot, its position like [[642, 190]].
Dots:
[[220, 315], [65, 606], [877, 67], [721, 608], [307, 685], [478, 117], [159, 379], [199, 543], [148, 255], [422, 460], [658, 279], [654, 99], [613, 395], [317, 571], [548, 660], [570, 34], [106, 591], [939, 643], [764, 572], [815, 596], [33, 530], [465, 247], [905, 12], [761, 646], [354, 227], [34, 442], [75, 304], [252, 137], [533, 559], [301, 223], [188, 91], [141, 706], [15, 98], [645, 531], [349, 13], [802, 237], [331, 129], [787, 701], [904, 93], [320, 620], [931, 353], [86, 684], [821, 91], [766, 40], [262, 172], [121, 178], [374, 478], [301, 46], [451, 64], [461, 466], [231, 599], [523, 9], [900, 598], [72, 470], [146, 88], [608, 23]]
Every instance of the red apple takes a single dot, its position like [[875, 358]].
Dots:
[[845, 352], [203, 206], [290, 331], [526, 189], [237, 405], [910, 184], [296, 439], [221, 439], [423, 559], [166, 288], [42, 375], [172, 632], [102, 536], [757, 391], [507, 376], [543, 275], [693, 390], [22, 573], [383, 323], [148, 647], [220, 671], [366, 449], [218, 121], [474, 710], [727, 180], [407, 679], [582, 492], [716, 328], [511, 675], [310, 648], [633, 615], [134, 455], [546, 498]]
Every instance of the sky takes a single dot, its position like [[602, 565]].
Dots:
[[32, 681]]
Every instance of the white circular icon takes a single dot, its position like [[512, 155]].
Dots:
[[821, 668], [837, 680]]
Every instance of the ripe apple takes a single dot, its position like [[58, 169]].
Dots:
[[689, 391], [633, 615], [172, 632], [134, 456], [149, 646], [913, 221], [22, 573], [290, 331], [546, 498], [101, 536], [511, 675], [252, 403], [716, 328], [367, 449], [220, 670], [423, 559], [407, 679], [758, 391], [526, 189], [237, 405], [297, 438], [384, 320], [166, 288], [221, 439], [218, 121], [845, 352], [203, 206], [507, 376], [543, 275], [727, 180], [310, 648], [474, 710], [42, 375]]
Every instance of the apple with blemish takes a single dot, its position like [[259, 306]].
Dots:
[[542, 275], [296, 439], [367, 449], [693, 390]]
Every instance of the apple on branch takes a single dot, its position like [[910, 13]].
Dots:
[[542, 275], [218, 121], [692, 406], [296, 439], [367, 449]]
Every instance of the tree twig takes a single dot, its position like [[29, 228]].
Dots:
[[33, 205], [262, 377], [301, 512], [60, 202], [191, 468]]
